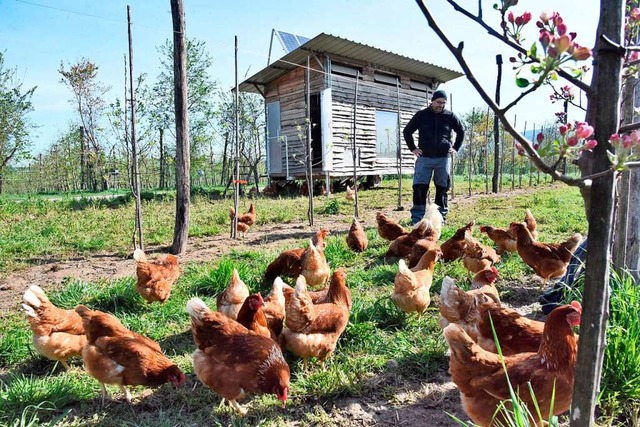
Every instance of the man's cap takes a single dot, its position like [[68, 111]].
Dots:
[[439, 94]]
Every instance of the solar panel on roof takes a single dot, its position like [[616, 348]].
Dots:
[[290, 42]]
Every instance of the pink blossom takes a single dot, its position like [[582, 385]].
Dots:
[[564, 129], [545, 38], [627, 141], [540, 137], [590, 144], [635, 55], [562, 29], [572, 141], [557, 19], [615, 140], [584, 131], [635, 136], [510, 17], [580, 53], [544, 17], [562, 43], [635, 13]]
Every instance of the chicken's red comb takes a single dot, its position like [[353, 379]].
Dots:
[[576, 305]]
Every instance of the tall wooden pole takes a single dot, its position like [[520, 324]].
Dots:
[[486, 154], [473, 118], [183, 160], [236, 148], [309, 157], [399, 146], [355, 127], [496, 130], [513, 158], [134, 145]]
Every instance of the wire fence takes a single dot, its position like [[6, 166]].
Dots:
[[473, 172]]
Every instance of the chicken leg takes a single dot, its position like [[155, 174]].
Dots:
[[239, 409]]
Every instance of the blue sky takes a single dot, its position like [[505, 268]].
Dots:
[[36, 35]]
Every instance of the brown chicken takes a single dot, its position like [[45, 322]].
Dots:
[[231, 299], [357, 238], [274, 307], [458, 306], [350, 194], [116, 355], [248, 218], [504, 240], [401, 247], [482, 382], [531, 223], [252, 317], [516, 333], [453, 248], [389, 229], [314, 266], [411, 288], [289, 262], [312, 330], [320, 296], [478, 257], [234, 361], [155, 278], [548, 260], [58, 334]]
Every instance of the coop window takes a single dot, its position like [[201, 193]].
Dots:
[[345, 70], [388, 79], [419, 86], [386, 134]]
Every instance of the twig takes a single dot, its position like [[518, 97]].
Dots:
[[478, 19]]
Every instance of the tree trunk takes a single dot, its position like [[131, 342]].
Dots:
[[83, 160], [183, 166], [606, 106]]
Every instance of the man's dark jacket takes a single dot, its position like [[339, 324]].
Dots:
[[434, 137]]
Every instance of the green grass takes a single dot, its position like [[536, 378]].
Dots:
[[380, 341]]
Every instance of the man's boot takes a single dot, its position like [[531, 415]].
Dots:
[[441, 201], [419, 202]]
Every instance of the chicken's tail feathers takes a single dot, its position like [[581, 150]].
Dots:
[[139, 255], [83, 310], [455, 335], [35, 297], [197, 308]]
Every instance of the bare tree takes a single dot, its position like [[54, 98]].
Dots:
[[82, 79], [15, 105]]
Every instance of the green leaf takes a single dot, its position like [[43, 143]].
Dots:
[[522, 82], [534, 50]]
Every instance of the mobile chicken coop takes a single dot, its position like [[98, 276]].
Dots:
[[390, 89]]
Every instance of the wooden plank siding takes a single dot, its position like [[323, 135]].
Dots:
[[372, 96]]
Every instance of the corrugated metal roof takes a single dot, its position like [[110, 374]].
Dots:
[[332, 45]]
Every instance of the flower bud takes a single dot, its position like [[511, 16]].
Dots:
[[572, 141], [590, 144], [510, 17], [584, 131], [540, 137], [564, 129]]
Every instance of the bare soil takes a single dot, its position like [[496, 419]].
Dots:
[[400, 401]]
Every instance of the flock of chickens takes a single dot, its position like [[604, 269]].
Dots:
[[239, 347]]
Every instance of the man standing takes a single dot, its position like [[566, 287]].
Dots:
[[434, 125]]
